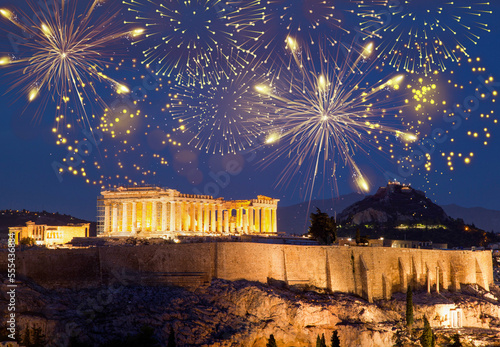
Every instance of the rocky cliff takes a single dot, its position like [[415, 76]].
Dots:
[[238, 314]]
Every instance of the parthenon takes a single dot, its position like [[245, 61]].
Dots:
[[157, 212]]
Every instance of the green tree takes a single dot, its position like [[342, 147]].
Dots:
[[456, 341], [358, 236], [271, 342], [427, 339], [409, 308], [335, 341], [320, 341], [323, 227]]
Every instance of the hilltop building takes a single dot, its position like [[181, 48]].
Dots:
[[48, 235], [160, 212]]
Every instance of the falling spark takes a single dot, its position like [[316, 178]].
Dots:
[[326, 118]]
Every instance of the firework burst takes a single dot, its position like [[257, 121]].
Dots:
[[62, 55], [424, 35], [325, 113], [197, 34], [221, 115]]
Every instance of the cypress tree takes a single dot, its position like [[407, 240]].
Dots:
[[427, 339], [271, 342], [318, 341], [323, 228], [358, 236], [335, 339], [456, 341]]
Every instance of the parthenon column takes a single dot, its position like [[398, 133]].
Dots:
[[144, 216], [257, 220], [251, 226], [192, 217], [206, 213], [245, 220], [107, 217], [154, 217], [124, 217], [164, 216], [181, 215], [212, 218], [134, 217], [115, 218], [199, 217], [172, 215], [269, 221], [274, 220], [226, 216], [184, 216], [264, 220], [219, 219], [237, 223], [178, 218]]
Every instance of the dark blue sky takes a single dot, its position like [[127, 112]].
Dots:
[[28, 149]]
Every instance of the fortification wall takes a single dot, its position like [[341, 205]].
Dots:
[[371, 272]]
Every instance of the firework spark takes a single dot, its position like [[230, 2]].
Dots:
[[325, 113], [302, 19], [195, 34], [424, 35], [439, 116], [63, 54]]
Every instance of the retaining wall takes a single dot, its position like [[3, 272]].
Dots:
[[371, 272]]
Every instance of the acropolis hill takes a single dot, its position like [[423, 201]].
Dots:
[[373, 273], [243, 269]]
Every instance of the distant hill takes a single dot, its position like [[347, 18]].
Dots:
[[11, 218], [401, 212], [483, 218], [394, 204], [295, 219]]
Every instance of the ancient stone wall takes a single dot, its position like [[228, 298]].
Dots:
[[371, 272]]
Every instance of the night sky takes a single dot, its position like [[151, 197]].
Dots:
[[30, 157]]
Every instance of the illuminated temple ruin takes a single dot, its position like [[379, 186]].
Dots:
[[155, 212]]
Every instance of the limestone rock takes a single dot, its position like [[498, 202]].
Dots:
[[239, 314]]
